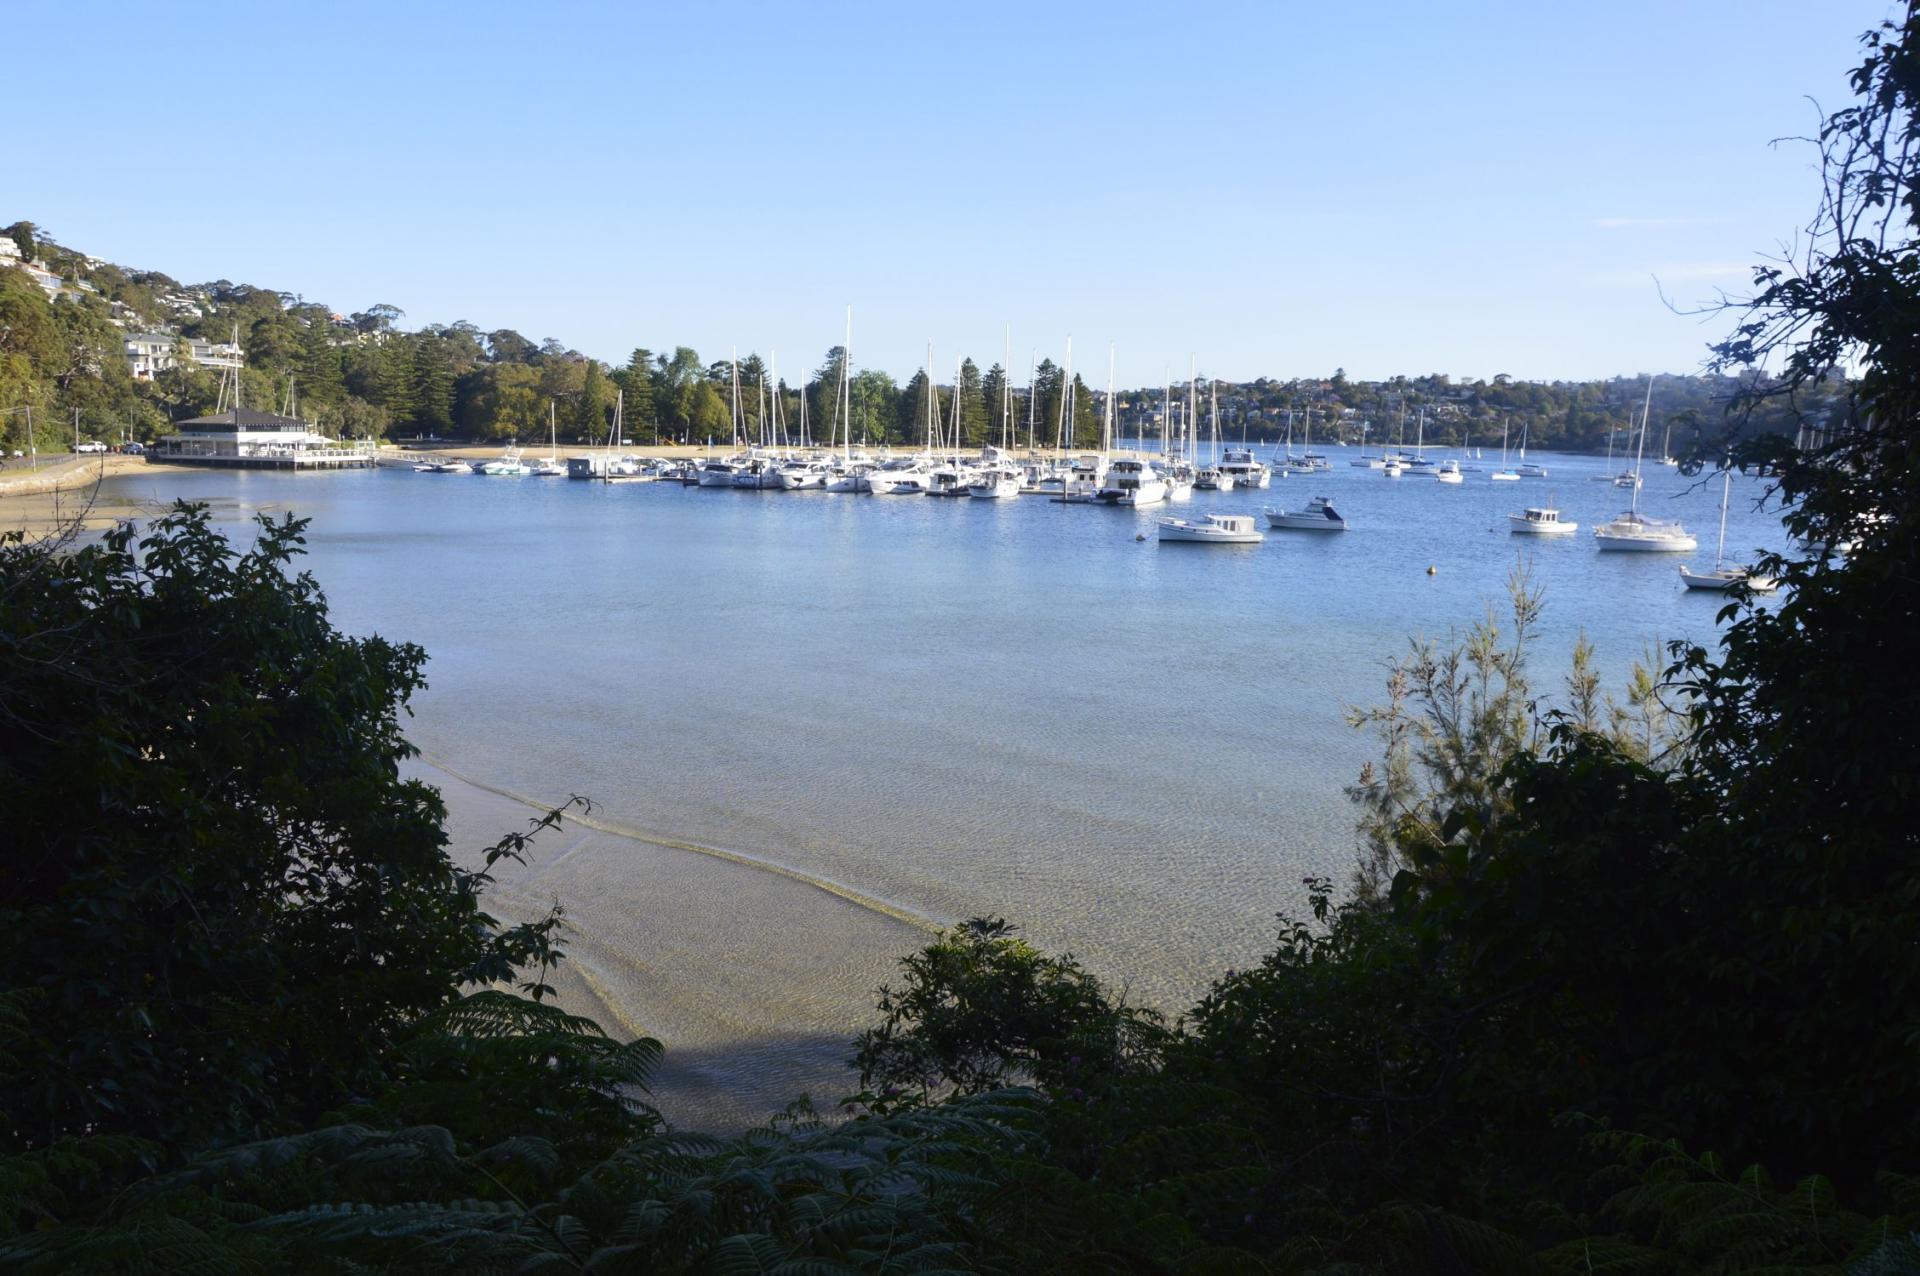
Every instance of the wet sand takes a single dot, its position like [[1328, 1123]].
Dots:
[[754, 979], [46, 500]]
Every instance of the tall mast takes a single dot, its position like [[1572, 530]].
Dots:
[[1727, 490], [1646, 409], [846, 385], [1033, 399], [1187, 434], [1213, 416], [1106, 428], [1006, 394], [738, 428], [959, 362], [930, 400], [1061, 434], [1166, 412]]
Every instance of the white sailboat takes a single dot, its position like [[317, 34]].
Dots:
[[999, 478], [1214, 478], [1723, 578], [1634, 532], [552, 466], [1524, 469], [1504, 474]]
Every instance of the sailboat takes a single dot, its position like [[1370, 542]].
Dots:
[[1524, 470], [849, 473], [553, 466], [1723, 578], [1088, 472], [1214, 478], [1180, 473], [622, 469], [1298, 464], [1419, 464], [1635, 532], [1504, 474]]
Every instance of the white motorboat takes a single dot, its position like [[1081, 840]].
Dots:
[[1723, 578], [1214, 529], [1630, 479], [426, 467], [1240, 465], [717, 473], [1084, 479], [1393, 467], [995, 484], [1448, 471], [508, 465], [907, 477], [1213, 479], [800, 476], [759, 471], [949, 480], [1319, 516], [1131, 482], [1541, 520]]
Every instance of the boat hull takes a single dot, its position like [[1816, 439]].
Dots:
[[1645, 544]]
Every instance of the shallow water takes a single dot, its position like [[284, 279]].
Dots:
[[960, 707]]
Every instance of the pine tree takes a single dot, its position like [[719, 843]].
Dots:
[[432, 386], [973, 406], [393, 380], [636, 383]]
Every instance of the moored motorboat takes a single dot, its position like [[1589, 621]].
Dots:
[[1131, 482], [1240, 465], [1214, 529], [1541, 520], [1318, 516]]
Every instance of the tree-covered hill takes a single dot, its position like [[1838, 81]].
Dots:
[[365, 374]]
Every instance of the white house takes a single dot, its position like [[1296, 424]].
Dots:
[[8, 248], [151, 352]]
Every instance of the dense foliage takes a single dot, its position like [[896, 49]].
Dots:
[[223, 902], [1587, 936]]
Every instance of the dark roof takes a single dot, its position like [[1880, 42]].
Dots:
[[248, 419]]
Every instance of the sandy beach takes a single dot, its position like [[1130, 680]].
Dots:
[[55, 494], [755, 978]]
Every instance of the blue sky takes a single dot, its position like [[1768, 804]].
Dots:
[[1277, 188]]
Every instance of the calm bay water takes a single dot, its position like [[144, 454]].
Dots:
[[1135, 751]]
